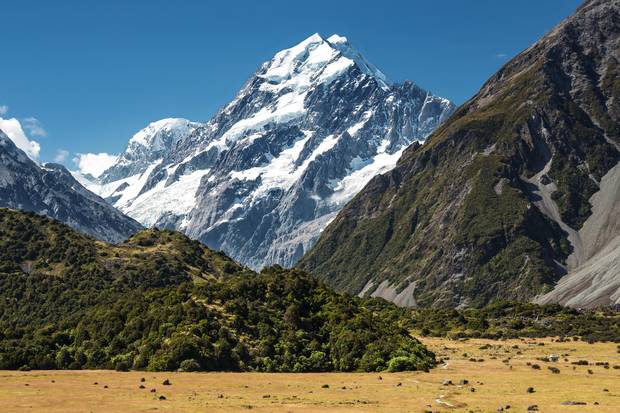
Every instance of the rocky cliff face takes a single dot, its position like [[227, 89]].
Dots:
[[272, 168], [509, 196], [51, 190]]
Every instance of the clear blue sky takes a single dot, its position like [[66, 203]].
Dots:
[[95, 72]]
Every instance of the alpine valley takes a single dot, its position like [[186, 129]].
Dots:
[[326, 220], [271, 169]]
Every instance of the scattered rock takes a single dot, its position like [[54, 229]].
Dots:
[[573, 403], [532, 408], [553, 357], [266, 396], [105, 387], [142, 379], [463, 382], [554, 370], [141, 386], [446, 383], [162, 397], [153, 390], [530, 390], [397, 385], [325, 386], [166, 382]]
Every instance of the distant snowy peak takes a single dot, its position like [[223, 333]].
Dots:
[[313, 61], [160, 134], [264, 176], [148, 145]]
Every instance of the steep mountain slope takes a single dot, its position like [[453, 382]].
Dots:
[[161, 301], [497, 203], [51, 190], [272, 168]]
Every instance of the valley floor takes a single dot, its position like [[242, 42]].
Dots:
[[500, 376]]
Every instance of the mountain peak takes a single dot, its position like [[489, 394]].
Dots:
[[337, 39], [315, 60], [148, 136]]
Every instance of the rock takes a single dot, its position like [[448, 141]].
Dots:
[[141, 386], [573, 403], [162, 397], [530, 390], [166, 382], [463, 382], [446, 383], [532, 408]]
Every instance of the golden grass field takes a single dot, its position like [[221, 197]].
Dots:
[[498, 383]]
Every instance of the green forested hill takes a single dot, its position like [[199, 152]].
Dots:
[[161, 301]]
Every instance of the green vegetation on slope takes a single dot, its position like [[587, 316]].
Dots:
[[161, 301], [504, 319]]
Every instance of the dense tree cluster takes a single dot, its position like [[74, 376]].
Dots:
[[163, 302]]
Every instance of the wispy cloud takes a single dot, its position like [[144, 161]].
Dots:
[[94, 163], [61, 155], [34, 127], [501, 55], [3, 110]]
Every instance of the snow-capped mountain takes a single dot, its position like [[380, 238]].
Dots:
[[51, 190], [262, 178]]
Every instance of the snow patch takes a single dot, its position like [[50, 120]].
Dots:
[[176, 199]]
